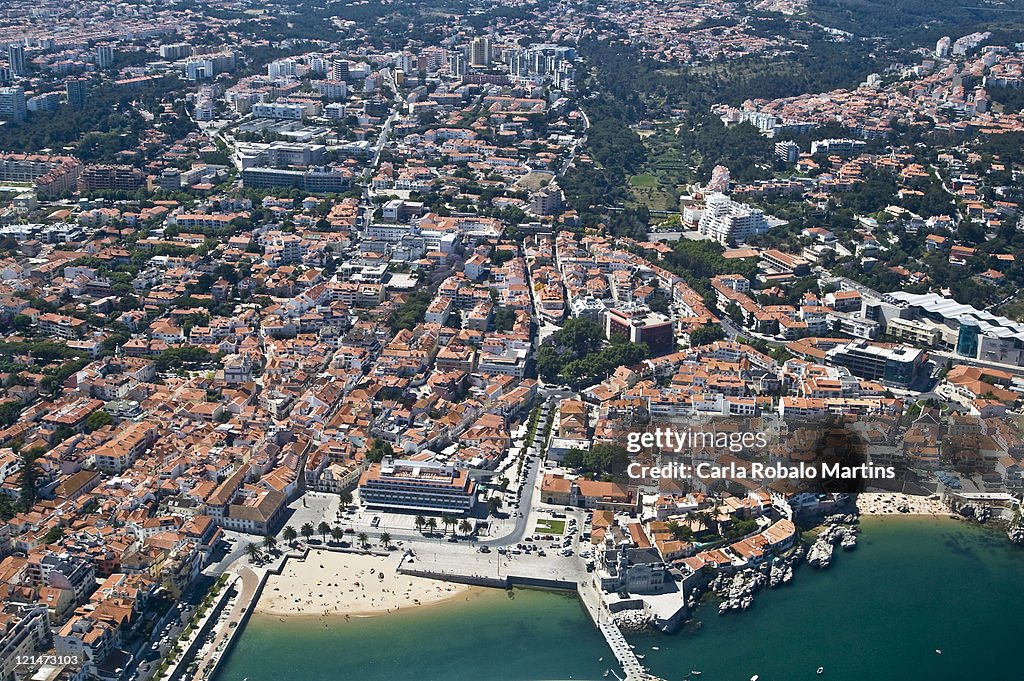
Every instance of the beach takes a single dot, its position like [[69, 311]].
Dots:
[[890, 503], [355, 585]]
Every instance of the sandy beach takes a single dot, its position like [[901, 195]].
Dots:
[[355, 585], [889, 503]]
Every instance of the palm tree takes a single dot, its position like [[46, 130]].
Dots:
[[307, 530], [324, 529], [680, 532], [420, 522], [289, 534], [345, 498], [432, 524], [705, 518], [337, 533], [493, 506], [269, 542], [252, 551], [449, 520], [385, 539], [363, 540], [465, 527]]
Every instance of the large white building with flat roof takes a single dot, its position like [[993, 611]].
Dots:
[[727, 221], [417, 486]]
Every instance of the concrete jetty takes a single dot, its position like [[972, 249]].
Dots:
[[623, 653]]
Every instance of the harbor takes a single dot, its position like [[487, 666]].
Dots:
[[535, 634]]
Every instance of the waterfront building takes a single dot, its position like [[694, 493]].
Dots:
[[407, 485]]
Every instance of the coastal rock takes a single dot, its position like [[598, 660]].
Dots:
[[633, 621]]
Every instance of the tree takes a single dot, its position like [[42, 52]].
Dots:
[[337, 533], [307, 530], [432, 525], [98, 419], [289, 534], [449, 520], [385, 539], [253, 552], [269, 542], [31, 471], [601, 461], [705, 335], [420, 522], [363, 540], [465, 527], [493, 506], [680, 532], [324, 529], [378, 450], [345, 498], [706, 519]]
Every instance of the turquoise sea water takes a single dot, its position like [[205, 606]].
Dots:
[[878, 613]]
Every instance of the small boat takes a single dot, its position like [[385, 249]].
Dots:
[[754, 677], [821, 670], [606, 672], [695, 673], [938, 651], [655, 648]]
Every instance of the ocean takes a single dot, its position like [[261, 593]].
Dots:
[[913, 586]]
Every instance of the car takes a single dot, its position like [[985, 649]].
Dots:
[[484, 549], [453, 539]]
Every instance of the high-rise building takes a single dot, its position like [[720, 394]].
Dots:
[[457, 64], [104, 56], [12, 104], [199, 69], [480, 52], [16, 60], [339, 70], [787, 151], [75, 89], [175, 51], [730, 222], [942, 47]]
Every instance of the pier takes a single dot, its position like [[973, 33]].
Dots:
[[623, 653]]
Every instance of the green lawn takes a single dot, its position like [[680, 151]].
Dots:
[[550, 526], [645, 180]]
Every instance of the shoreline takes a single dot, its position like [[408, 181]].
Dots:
[[329, 584], [889, 503]]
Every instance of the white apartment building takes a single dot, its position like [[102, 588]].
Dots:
[[727, 221]]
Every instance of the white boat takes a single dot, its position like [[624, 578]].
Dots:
[[655, 648], [938, 651], [754, 677], [695, 673], [821, 670]]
